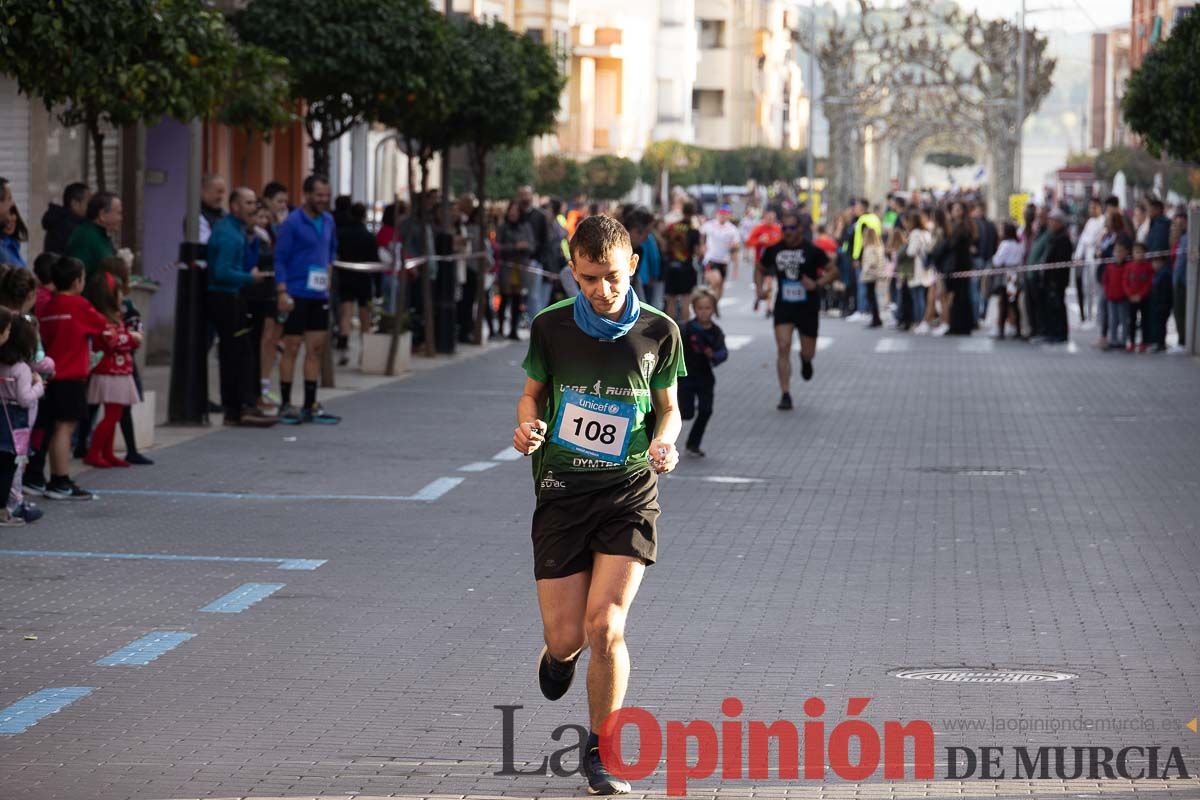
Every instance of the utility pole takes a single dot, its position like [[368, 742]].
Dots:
[[1021, 99], [445, 209], [812, 107]]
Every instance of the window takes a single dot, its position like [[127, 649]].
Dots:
[[712, 34], [708, 102], [535, 34]]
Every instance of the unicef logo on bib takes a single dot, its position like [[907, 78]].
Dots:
[[594, 426]]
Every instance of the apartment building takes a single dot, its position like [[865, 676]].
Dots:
[[749, 88]]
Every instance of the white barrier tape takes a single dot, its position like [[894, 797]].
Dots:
[[973, 273], [413, 263]]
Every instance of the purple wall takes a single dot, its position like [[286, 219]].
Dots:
[[165, 206]]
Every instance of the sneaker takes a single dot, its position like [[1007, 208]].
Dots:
[[785, 402], [67, 490], [251, 418], [806, 370], [28, 512], [319, 416], [1129, 347], [289, 415], [269, 398], [343, 358], [600, 780], [941, 330], [34, 486], [555, 677], [10, 520], [695, 451], [138, 459], [922, 327], [1142, 347]]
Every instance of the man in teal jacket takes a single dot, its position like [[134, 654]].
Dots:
[[230, 249]]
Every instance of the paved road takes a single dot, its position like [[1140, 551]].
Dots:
[[930, 503]]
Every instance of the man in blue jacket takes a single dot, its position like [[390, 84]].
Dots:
[[304, 255], [230, 250]]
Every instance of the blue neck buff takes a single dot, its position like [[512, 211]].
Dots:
[[601, 327]]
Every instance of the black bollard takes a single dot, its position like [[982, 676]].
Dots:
[[188, 401]]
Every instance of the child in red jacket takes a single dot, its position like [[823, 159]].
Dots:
[[1114, 294], [111, 384], [1139, 277], [68, 320]]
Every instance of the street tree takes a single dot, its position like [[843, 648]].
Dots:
[[121, 62], [609, 177], [1162, 96], [558, 175], [509, 93], [256, 99], [345, 57], [967, 65]]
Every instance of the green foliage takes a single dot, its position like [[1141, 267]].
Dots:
[[609, 177], [347, 58], [558, 176], [257, 96], [421, 108], [1162, 97], [685, 162], [1140, 169], [511, 168], [949, 160], [119, 61], [509, 91]]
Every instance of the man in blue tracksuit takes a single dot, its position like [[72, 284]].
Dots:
[[232, 266], [304, 255]]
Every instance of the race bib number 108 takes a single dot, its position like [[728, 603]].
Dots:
[[594, 426]]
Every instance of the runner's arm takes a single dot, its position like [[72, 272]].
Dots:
[[668, 425], [533, 400]]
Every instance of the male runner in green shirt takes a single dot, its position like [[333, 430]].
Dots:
[[600, 417]]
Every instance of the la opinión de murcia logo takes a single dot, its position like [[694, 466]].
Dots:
[[738, 749]]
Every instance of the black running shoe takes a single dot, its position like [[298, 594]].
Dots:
[[806, 370], [600, 780], [785, 402], [554, 677], [67, 490]]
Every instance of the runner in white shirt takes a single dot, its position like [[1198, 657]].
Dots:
[[1086, 249], [721, 241]]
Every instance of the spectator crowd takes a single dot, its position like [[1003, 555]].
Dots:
[[283, 278]]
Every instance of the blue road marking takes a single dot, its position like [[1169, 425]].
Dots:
[[394, 498], [145, 649], [32, 709], [282, 563], [242, 598]]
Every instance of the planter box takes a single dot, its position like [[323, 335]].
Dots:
[[143, 422], [375, 353]]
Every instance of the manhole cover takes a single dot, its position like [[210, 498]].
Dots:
[[977, 472], [984, 675]]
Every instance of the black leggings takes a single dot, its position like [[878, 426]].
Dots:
[[513, 302], [873, 302], [690, 395], [1138, 317], [8, 471]]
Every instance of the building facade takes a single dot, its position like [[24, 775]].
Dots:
[[1151, 22], [749, 89]]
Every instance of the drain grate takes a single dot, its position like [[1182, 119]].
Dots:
[[977, 472], [967, 675]]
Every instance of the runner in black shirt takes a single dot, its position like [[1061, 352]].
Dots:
[[801, 269]]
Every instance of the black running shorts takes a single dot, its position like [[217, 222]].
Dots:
[[718, 266], [679, 279], [805, 316], [308, 315], [616, 520]]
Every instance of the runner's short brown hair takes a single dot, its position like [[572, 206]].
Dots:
[[597, 237]]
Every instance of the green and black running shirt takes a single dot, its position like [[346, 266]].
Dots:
[[600, 396]]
